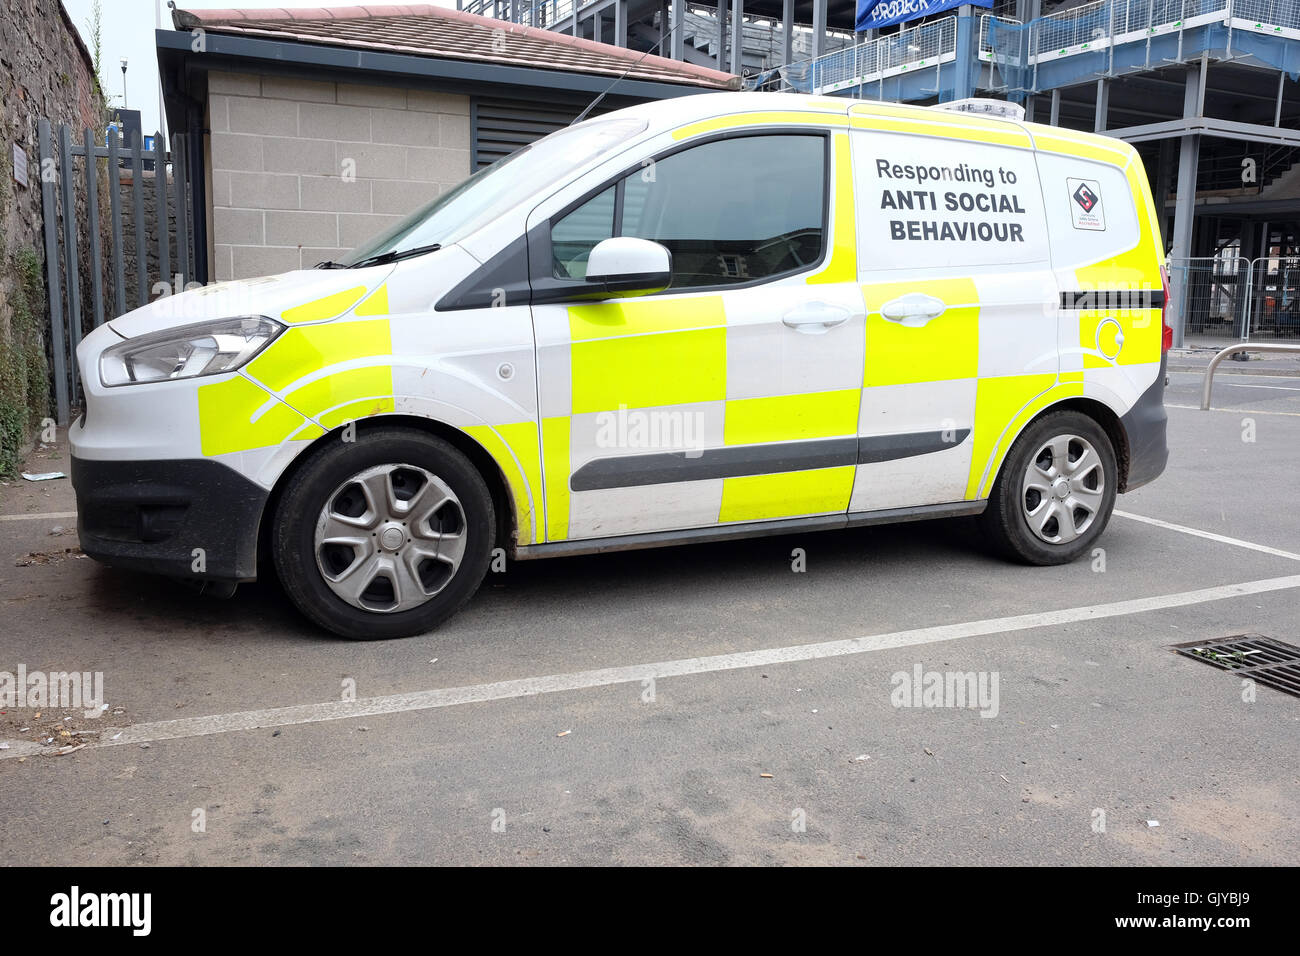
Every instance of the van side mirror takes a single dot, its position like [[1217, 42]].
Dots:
[[625, 265]]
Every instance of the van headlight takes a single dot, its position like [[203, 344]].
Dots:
[[205, 348]]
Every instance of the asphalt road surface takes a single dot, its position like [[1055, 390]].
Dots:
[[705, 705]]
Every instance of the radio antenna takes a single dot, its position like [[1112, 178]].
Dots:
[[664, 35]]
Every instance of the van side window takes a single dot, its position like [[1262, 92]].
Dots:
[[733, 210], [730, 211], [574, 236]]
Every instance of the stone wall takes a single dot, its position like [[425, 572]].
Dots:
[[152, 224], [45, 71], [304, 171]]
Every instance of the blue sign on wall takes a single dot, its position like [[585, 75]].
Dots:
[[884, 13]]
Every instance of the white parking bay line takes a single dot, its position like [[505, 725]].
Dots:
[[635, 673], [1235, 411], [1223, 374], [40, 516], [1208, 535]]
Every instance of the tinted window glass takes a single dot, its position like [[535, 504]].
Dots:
[[574, 236], [733, 210], [491, 191]]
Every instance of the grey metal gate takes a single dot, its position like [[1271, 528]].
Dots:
[[119, 264], [1275, 314], [1216, 299]]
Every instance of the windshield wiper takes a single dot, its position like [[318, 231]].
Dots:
[[329, 264], [394, 255]]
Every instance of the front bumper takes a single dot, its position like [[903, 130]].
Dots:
[[1146, 424], [190, 518]]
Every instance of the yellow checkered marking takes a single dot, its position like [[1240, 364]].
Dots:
[[759, 119], [298, 352], [332, 400], [325, 307], [842, 264], [555, 444], [308, 432], [620, 350], [1149, 222], [226, 411], [1108, 338], [346, 395], [752, 421], [1003, 406], [377, 405], [514, 448], [758, 497], [946, 347], [1141, 329], [1101, 149], [1135, 269], [375, 304], [830, 104], [920, 122]]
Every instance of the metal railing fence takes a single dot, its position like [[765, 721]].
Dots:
[[1216, 297], [1083, 29], [926, 46], [1100, 26], [117, 256], [1275, 307], [1233, 299]]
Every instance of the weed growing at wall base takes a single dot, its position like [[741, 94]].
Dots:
[[24, 385]]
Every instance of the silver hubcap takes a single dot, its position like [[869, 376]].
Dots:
[[1063, 489], [390, 538]]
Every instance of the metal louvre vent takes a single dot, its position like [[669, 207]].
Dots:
[[502, 126], [1266, 661]]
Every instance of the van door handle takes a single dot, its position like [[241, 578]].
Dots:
[[913, 310], [814, 318]]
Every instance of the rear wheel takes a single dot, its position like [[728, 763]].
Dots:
[[1055, 492], [384, 536]]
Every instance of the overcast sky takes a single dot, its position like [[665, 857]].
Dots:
[[128, 31]]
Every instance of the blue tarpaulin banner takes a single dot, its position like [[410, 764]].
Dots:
[[884, 13]]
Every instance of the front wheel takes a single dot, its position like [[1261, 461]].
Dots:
[[1055, 492], [385, 536]]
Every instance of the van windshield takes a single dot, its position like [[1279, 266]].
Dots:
[[493, 190]]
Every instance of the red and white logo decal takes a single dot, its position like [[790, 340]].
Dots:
[[1085, 204]]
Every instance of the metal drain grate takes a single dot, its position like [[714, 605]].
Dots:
[[1266, 661]]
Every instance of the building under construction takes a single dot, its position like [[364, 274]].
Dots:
[[1206, 90]]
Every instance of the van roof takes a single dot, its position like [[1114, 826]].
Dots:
[[683, 110]]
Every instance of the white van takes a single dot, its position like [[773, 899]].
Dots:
[[704, 318]]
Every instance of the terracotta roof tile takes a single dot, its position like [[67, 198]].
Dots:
[[426, 30]]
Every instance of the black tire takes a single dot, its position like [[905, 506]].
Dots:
[[1006, 522], [293, 533]]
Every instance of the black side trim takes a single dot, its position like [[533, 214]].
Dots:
[[1112, 300], [893, 447], [746, 529], [954, 509], [502, 280], [641, 283], [665, 467]]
